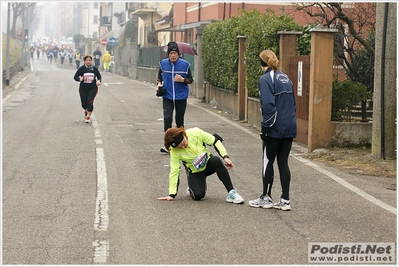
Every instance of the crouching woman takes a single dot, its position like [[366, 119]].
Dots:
[[189, 147]]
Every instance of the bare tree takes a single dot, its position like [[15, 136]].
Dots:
[[353, 21], [17, 10], [355, 38]]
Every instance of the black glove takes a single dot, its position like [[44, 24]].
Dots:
[[161, 91], [263, 134]]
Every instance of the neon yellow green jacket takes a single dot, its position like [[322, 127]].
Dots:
[[196, 149]]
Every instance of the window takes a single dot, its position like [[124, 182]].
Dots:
[[95, 19], [95, 5]]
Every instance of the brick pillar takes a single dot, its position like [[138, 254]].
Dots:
[[242, 90], [288, 47], [320, 88]]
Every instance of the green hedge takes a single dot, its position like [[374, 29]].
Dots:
[[345, 95], [220, 46]]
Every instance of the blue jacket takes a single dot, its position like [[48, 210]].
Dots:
[[277, 104], [174, 90]]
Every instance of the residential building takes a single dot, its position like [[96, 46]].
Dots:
[[152, 17]]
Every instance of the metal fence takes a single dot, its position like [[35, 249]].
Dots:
[[13, 70], [150, 56], [131, 56]]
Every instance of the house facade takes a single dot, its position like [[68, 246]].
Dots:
[[157, 23]]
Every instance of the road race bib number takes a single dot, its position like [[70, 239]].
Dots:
[[97, 57], [88, 77], [200, 161]]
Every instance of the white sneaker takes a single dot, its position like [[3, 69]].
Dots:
[[283, 205], [262, 202], [88, 119], [234, 197]]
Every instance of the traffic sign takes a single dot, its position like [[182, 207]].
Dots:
[[104, 41], [112, 41]]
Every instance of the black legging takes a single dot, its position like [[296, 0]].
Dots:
[[97, 63], [87, 97], [197, 181], [168, 107], [280, 148]]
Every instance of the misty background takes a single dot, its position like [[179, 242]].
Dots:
[[41, 19]]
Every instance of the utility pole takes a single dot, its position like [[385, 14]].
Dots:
[[8, 46], [385, 76], [26, 32], [23, 40]]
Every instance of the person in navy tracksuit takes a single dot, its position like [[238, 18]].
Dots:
[[174, 75], [278, 129]]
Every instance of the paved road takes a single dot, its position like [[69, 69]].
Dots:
[[76, 193]]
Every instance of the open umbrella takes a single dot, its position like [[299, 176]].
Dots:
[[184, 48]]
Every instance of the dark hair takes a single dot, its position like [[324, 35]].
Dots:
[[171, 134], [86, 56]]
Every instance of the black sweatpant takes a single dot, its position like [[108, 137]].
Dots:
[[279, 148], [197, 181], [97, 63], [168, 107], [87, 97]]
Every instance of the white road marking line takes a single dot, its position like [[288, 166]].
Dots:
[[16, 87], [346, 184], [97, 133], [100, 251], [112, 83], [101, 218], [317, 168]]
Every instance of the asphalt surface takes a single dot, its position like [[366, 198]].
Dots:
[[84, 194]]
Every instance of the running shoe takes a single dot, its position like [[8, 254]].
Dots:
[[88, 119], [262, 202], [283, 205], [234, 197]]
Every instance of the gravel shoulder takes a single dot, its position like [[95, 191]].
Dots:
[[359, 161]]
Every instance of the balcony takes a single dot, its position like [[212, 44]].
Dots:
[[144, 9]]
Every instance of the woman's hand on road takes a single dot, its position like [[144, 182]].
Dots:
[[228, 163], [168, 198]]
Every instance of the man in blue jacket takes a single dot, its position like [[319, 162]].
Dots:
[[174, 75]]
